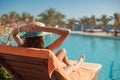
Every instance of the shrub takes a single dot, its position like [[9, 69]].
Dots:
[[4, 75]]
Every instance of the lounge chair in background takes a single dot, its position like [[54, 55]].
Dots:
[[93, 30], [41, 64], [114, 32]]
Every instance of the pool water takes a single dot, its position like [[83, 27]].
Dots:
[[102, 50], [105, 51]]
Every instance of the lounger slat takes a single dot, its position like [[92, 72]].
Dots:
[[23, 59], [29, 72], [43, 70], [34, 77], [25, 65], [41, 78]]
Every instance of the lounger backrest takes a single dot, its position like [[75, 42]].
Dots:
[[26, 67]]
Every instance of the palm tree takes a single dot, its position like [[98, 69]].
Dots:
[[26, 17], [92, 21], [104, 20], [83, 22], [72, 23], [51, 17], [5, 22], [62, 24], [4, 19], [13, 16], [117, 20], [9, 18]]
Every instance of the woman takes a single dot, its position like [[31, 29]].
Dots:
[[38, 41]]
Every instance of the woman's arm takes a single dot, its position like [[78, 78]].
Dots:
[[57, 43], [25, 28], [17, 37]]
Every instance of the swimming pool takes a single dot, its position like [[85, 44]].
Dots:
[[103, 50]]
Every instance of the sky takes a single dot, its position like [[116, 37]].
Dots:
[[70, 8]]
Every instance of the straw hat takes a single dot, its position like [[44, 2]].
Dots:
[[37, 33], [39, 24]]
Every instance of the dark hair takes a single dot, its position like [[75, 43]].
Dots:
[[35, 42]]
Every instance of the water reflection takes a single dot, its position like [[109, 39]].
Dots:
[[114, 70], [116, 47]]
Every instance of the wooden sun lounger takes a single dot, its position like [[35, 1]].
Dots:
[[93, 30], [33, 68], [113, 32]]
